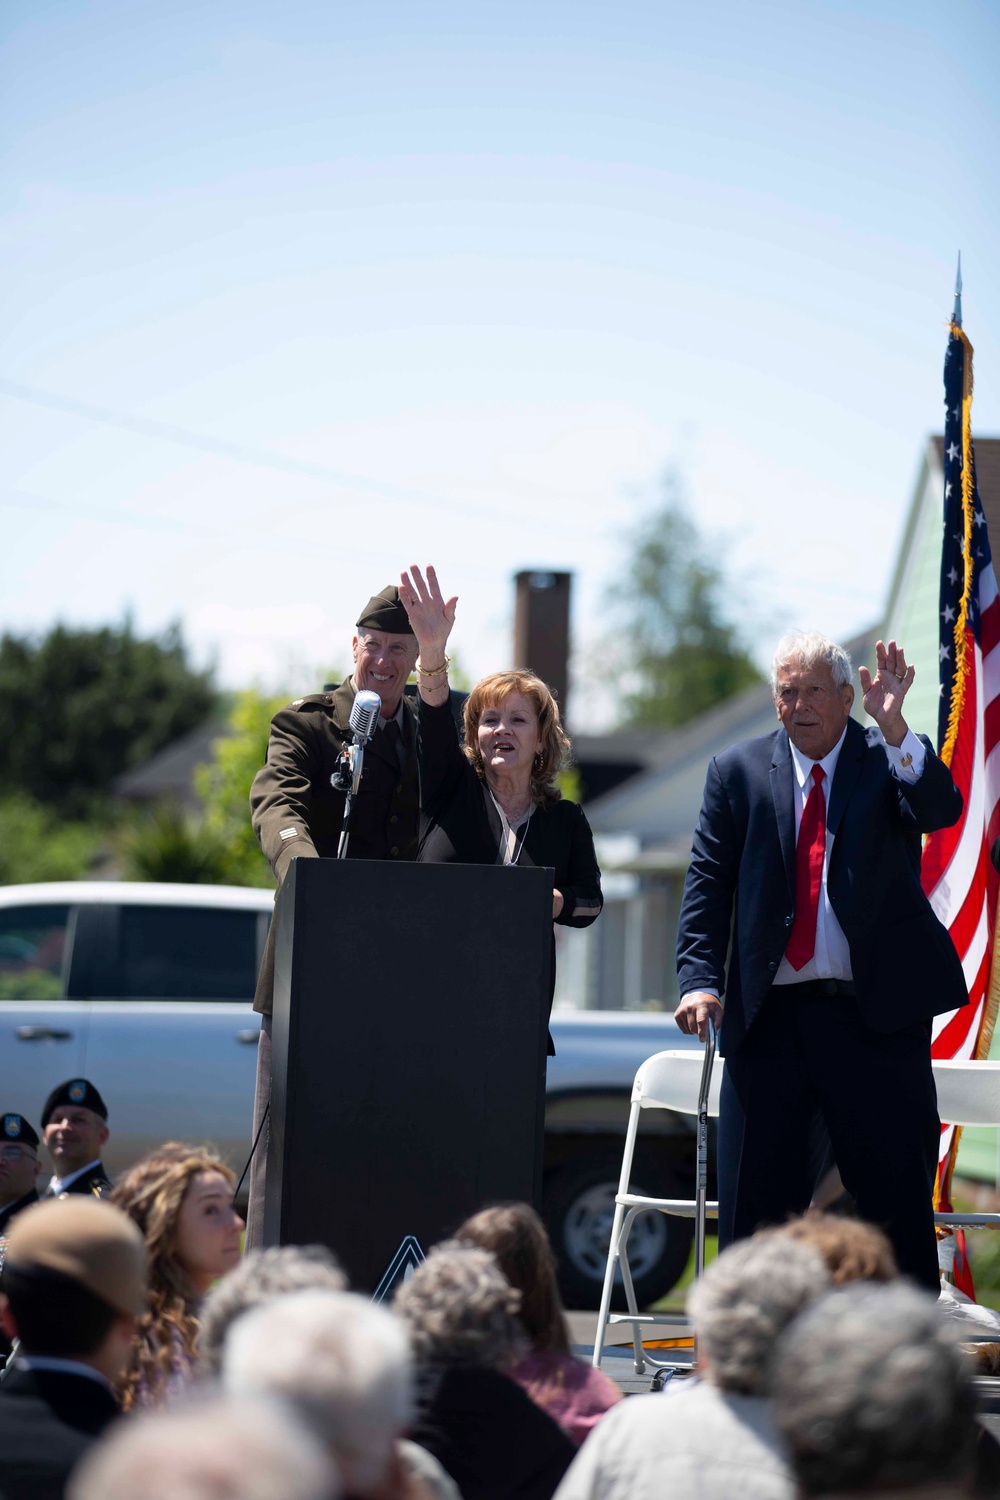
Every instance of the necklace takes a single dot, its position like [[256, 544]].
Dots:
[[510, 846], [516, 812]]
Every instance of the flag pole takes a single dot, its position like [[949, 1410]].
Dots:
[[942, 1181]]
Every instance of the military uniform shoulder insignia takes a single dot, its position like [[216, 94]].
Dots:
[[311, 700]]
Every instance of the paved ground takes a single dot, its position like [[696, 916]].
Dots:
[[618, 1360]]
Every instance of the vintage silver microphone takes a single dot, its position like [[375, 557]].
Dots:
[[365, 711]]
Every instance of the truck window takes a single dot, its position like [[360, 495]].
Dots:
[[184, 953], [33, 951]]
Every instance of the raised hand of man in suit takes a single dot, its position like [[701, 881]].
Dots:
[[883, 694]]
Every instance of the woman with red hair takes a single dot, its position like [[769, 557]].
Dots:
[[498, 801]]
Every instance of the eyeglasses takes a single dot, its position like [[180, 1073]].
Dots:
[[14, 1153]]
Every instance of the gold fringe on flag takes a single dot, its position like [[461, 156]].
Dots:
[[991, 1004], [961, 623]]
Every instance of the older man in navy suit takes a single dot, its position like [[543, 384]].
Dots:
[[807, 856]]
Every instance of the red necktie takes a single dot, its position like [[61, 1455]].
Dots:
[[809, 853]]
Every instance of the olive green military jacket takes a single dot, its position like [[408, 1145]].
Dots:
[[296, 812]]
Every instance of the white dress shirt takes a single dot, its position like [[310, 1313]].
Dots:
[[59, 1185], [832, 956]]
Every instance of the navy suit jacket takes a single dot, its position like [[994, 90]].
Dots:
[[741, 882]]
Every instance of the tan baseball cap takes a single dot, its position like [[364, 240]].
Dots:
[[92, 1242]]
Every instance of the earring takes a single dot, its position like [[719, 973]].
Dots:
[[539, 760]]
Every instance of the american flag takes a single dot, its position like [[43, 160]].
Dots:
[[957, 874]]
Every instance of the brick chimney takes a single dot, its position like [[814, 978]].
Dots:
[[541, 628]]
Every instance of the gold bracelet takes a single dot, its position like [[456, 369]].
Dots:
[[423, 671]]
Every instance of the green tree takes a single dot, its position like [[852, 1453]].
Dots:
[[224, 787], [676, 649], [78, 707], [167, 844], [37, 844]]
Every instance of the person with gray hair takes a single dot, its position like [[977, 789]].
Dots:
[[345, 1365], [461, 1313], [872, 1393], [713, 1438], [813, 649], [221, 1449], [261, 1276], [803, 907]]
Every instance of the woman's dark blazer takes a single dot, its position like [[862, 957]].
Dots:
[[459, 823]]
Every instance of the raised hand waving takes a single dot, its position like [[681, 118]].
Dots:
[[430, 614]]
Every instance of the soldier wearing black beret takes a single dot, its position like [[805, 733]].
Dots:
[[19, 1167], [296, 812], [75, 1128]]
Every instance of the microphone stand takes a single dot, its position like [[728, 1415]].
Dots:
[[348, 779]]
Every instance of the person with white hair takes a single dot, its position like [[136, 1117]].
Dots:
[[803, 909], [221, 1449], [345, 1365], [461, 1312], [872, 1394], [260, 1277], [713, 1438]]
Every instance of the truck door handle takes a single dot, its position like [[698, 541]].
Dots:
[[42, 1034], [251, 1037]]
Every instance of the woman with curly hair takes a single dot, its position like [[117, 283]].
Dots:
[[181, 1199], [574, 1395], [497, 802]]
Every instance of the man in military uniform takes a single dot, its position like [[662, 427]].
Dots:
[[75, 1128], [19, 1168], [297, 813]]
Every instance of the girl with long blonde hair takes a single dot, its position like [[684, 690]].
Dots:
[[181, 1199]]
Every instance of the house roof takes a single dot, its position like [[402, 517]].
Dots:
[[170, 772], [605, 761]]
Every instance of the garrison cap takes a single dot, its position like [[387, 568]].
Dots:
[[94, 1244], [16, 1128], [385, 612], [75, 1091]]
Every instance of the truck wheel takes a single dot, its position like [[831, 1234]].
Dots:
[[579, 1206]]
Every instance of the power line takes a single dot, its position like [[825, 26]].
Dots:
[[260, 458]]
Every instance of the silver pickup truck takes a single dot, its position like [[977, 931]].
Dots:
[[146, 990]]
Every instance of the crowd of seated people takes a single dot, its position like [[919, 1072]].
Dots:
[[152, 1361]]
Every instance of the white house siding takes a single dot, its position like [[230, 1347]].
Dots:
[[912, 614]]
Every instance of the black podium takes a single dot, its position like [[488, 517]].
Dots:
[[408, 1052]]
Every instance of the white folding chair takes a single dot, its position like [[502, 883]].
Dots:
[[968, 1093], [684, 1083]]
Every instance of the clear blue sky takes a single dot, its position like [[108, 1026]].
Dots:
[[488, 269]]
